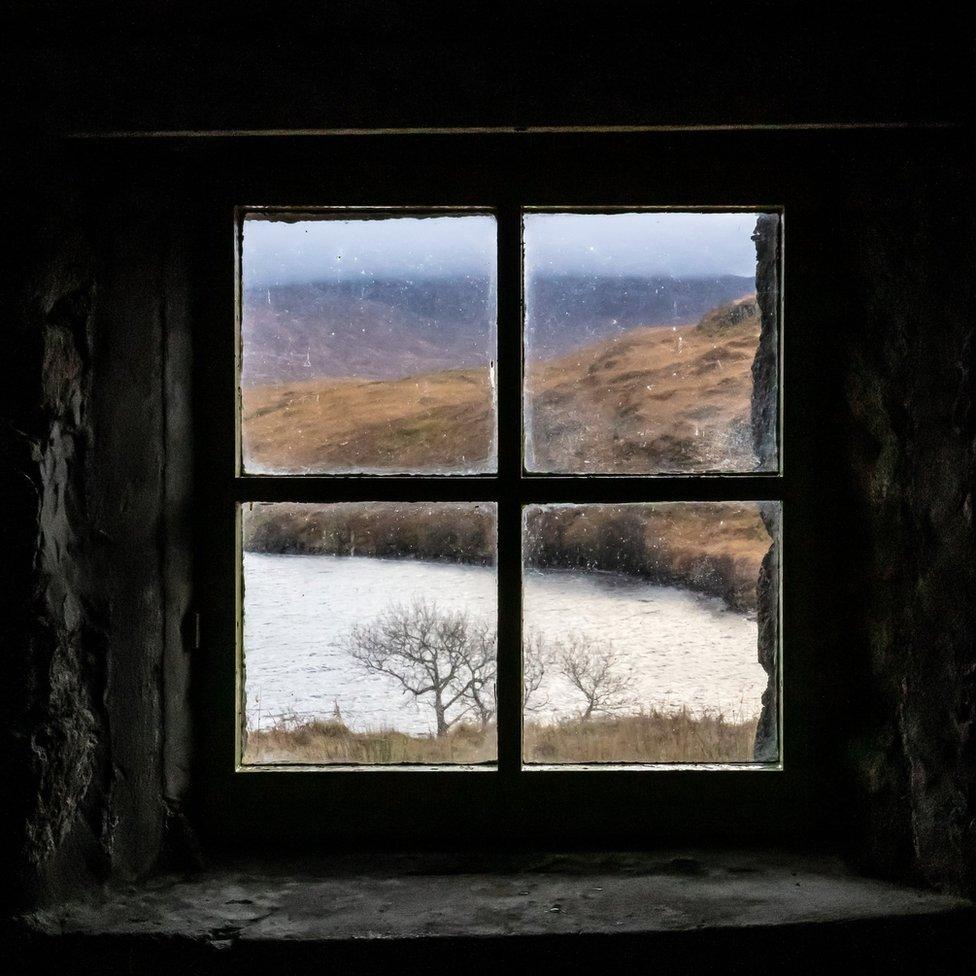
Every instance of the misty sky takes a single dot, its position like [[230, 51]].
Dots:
[[680, 245], [651, 244]]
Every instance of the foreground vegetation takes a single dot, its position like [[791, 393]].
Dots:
[[649, 737]]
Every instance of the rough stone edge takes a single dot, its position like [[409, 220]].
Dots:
[[765, 365], [764, 409]]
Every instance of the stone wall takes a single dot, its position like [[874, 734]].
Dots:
[[764, 410], [57, 768], [909, 259], [83, 618]]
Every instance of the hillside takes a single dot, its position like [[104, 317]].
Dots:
[[420, 423], [389, 328], [650, 398], [373, 330], [564, 312]]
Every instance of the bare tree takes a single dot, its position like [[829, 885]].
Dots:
[[479, 670], [594, 671], [538, 657], [433, 654]]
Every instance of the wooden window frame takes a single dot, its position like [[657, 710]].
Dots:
[[512, 803]]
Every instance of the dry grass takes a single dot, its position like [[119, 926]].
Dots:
[[332, 742], [650, 737], [650, 399], [420, 423]]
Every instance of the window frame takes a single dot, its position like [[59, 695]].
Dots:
[[349, 806]]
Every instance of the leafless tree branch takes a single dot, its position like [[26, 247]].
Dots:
[[595, 672], [539, 656], [442, 656]]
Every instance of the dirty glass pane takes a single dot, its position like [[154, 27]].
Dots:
[[650, 342], [368, 344], [650, 632], [369, 633]]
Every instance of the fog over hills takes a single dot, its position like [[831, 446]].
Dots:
[[388, 328], [566, 311]]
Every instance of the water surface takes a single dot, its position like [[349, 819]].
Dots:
[[678, 648]]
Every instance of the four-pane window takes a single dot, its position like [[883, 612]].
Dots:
[[584, 585]]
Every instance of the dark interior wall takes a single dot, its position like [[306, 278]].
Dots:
[[83, 610], [150, 65], [911, 446], [95, 566]]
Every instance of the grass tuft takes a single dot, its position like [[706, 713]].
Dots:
[[648, 737]]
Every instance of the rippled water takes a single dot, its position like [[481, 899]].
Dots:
[[678, 648]]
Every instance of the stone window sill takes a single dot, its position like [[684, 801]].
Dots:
[[463, 915]]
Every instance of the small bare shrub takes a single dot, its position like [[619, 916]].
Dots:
[[594, 671], [539, 657]]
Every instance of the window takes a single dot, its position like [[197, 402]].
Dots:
[[370, 629], [507, 495]]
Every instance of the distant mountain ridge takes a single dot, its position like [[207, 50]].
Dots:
[[377, 330], [389, 328], [564, 312]]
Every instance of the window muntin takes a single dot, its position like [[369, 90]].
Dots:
[[587, 490]]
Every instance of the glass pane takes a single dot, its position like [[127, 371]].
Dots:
[[368, 344], [650, 632], [369, 633], [650, 342]]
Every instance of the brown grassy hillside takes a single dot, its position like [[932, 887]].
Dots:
[[442, 531], [650, 399], [420, 423], [710, 547]]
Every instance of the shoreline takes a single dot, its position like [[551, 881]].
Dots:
[[634, 578], [713, 548]]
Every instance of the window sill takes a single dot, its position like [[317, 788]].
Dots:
[[466, 915]]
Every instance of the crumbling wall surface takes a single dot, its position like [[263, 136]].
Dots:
[[908, 254], [81, 450], [764, 410], [767, 747]]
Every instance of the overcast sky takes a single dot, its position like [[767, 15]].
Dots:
[[677, 244], [682, 245]]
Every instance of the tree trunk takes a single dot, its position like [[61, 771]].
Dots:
[[441, 718]]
